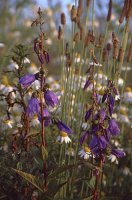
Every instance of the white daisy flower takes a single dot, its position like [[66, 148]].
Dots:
[[85, 153], [26, 61], [33, 69], [35, 121], [63, 137], [8, 123], [113, 159], [70, 152], [13, 66], [97, 65]]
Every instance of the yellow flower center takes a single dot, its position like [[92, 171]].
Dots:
[[101, 92], [35, 117], [87, 150], [123, 112], [128, 89], [5, 81], [7, 121], [63, 134]]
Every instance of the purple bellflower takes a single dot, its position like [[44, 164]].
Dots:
[[50, 98], [46, 115], [118, 153], [87, 84], [88, 114], [84, 137], [113, 127], [63, 127], [33, 106], [28, 79], [98, 142]]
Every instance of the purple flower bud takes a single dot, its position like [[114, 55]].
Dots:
[[63, 127], [46, 55], [111, 108], [104, 97], [33, 107], [88, 114], [115, 91], [50, 98], [41, 58], [113, 127], [84, 138], [111, 100], [36, 47], [87, 84], [107, 135], [118, 153], [102, 115], [27, 80]]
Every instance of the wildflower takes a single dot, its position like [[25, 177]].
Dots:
[[63, 137], [13, 66], [85, 153], [32, 69], [2, 45], [88, 114], [113, 127], [98, 142], [28, 79], [8, 123], [127, 96], [33, 106], [84, 138], [63, 127], [87, 84], [70, 152], [35, 121], [118, 153], [50, 98], [113, 158]]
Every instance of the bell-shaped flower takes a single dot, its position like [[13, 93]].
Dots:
[[113, 127], [33, 107], [50, 98], [28, 79]]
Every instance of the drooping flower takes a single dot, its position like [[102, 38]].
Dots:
[[28, 79], [88, 114], [102, 115], [33, 106], [35, 121], [84, 138], [118, 153], [98, 142], [87, 84], [63, 127], [113, 127], [50, 98]]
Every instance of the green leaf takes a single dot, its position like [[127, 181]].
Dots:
[[44, 153], [68, 167], [91, 182], [30, 178]]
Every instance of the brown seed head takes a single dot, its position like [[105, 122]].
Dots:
[[120, 55], [105, 54], [108, 46], [109, 11], [63, 19], [88, 3], [129, 55], [59, 33], [73, 13], [76, 37]]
